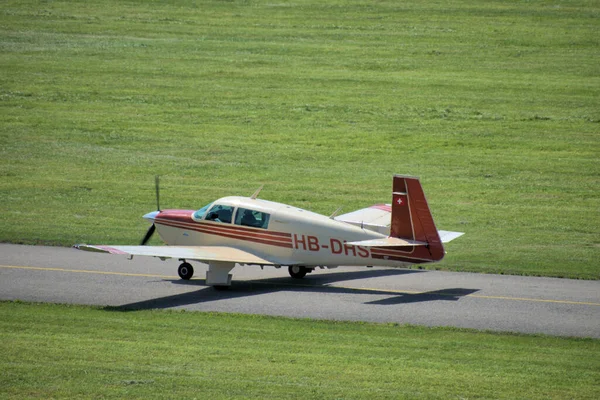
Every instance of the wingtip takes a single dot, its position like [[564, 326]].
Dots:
[[95, 249]]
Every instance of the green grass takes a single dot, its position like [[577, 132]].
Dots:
[[54, 351], [495, 105]]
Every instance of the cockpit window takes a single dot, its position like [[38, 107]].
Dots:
[[220, 213], [255, 219], [200, 213]]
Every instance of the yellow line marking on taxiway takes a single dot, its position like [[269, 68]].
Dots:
[[382, 291], [85, 271]]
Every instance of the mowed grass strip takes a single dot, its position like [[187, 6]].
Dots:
[[495, 105], [58, 351]]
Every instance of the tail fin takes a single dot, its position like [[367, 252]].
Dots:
[[412, 220]]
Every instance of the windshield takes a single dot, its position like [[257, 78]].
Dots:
[[200, 213], [220, 213]]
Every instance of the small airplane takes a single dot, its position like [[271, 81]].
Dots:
[[251, 231]]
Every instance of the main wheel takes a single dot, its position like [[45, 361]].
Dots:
[[297, 271], [185, 271]]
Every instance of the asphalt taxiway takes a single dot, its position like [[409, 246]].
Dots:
[[550, 306]]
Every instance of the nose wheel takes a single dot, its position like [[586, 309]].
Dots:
[[185, 271]]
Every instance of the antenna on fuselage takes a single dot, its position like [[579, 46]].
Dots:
[[255, 195], [335, 213]]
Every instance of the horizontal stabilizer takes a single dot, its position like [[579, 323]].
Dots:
[[447, 236], [387, 242]]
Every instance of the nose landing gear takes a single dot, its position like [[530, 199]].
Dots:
[[185, 271]]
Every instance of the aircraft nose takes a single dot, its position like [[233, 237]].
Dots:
[[152, 215]]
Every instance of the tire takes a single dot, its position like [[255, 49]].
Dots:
[[185, 271], [297, 271]]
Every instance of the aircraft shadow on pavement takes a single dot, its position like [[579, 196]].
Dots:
[[444, 294], [317, 283]]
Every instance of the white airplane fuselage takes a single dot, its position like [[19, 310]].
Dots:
[[293, 237]]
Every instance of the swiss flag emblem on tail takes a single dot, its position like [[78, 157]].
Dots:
[[401, 200]]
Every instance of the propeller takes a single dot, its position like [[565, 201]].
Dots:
[[148, 235], [153, 227], [156, 179]]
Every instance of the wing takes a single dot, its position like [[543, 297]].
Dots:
[[198, 253]]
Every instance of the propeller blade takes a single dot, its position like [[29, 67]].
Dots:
[[156, 179], [148, 235]]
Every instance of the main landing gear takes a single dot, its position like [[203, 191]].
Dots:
[[185, 271], [298, 271], [217, 275]]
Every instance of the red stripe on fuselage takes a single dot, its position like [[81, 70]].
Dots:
[[185, 218], [230, 229], [401, 259], [242, 234], [393, 252], [415, 254], [220, 230]]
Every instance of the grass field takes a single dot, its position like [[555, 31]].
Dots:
[[495, 105], [51, 351]]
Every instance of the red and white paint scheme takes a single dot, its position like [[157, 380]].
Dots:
[[251, 231]]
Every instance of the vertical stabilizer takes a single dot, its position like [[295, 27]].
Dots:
[[412, 220]]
